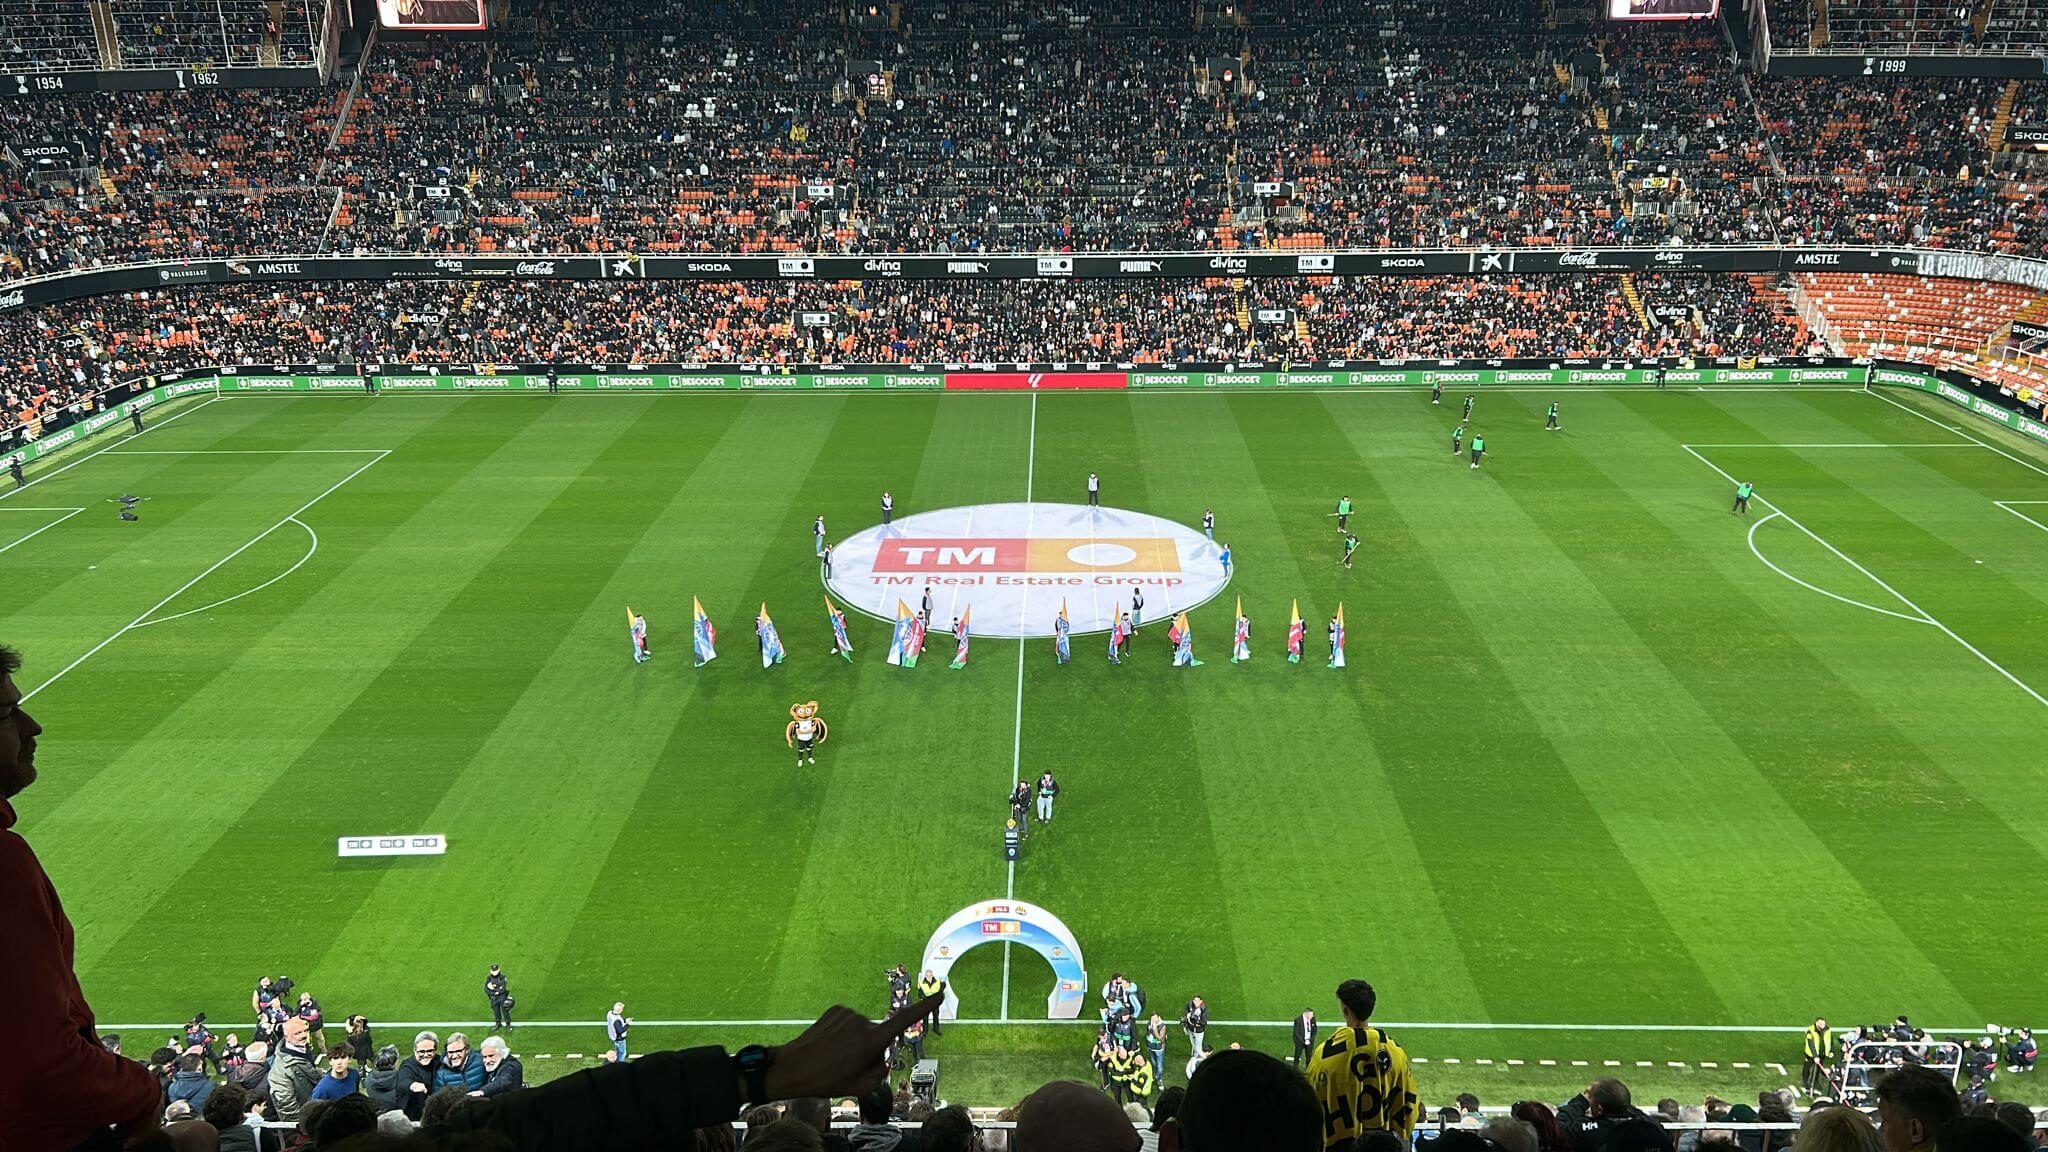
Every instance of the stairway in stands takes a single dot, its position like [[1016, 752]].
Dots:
[[2002, 117], [1635, 301]]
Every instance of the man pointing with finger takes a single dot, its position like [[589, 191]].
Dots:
[[661, 1097]]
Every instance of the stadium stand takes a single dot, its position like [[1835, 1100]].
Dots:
[[46, 36]]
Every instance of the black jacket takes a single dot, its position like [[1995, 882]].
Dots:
[[509, 1077], [1305, 1031], [1587, 1132], [382, 1089], [409, 1073], [658, 1099]]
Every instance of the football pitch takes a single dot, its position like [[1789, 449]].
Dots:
[[1614, 778]]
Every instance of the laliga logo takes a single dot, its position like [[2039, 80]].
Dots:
[[1014, 564]]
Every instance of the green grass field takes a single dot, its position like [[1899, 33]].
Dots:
[[1593, 762]]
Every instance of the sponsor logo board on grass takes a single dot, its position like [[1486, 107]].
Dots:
[[1013, 563]]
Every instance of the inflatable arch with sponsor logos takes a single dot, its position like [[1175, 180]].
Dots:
[[1011, 922]]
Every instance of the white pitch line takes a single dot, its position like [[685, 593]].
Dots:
[[1864, 444], [1758, 553], [1896, 594], [312, 547], [1017, 732], [2005, 504], [253, 541], [1958, 431], [1092, 1022], [129, 439], [252, 451], [60, 520]]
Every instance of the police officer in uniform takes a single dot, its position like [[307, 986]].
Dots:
[[498, 991]]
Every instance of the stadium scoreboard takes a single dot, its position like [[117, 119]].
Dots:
[[1663, 9], [432, 15]]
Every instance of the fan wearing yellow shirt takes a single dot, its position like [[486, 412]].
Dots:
[[1360, 1076]]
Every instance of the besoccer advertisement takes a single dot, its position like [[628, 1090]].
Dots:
[[1018, 564]]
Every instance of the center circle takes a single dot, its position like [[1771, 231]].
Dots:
[[1094, 555], [1010, 568]]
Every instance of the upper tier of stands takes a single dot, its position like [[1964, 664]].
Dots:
[[1929, 26], [59, 35]]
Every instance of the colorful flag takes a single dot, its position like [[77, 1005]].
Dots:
[[1241, 650], [1337, 638], [901, 651], [1184, 643], [636, 629], [960, 638], [840, 643], [1118, 629], [916, 642], [1059, 633], [702, 634], [771, 644], [1295, 634]]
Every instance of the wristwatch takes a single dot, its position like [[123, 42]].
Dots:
[[753, 1063]]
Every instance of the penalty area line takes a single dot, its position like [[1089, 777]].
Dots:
[[45, 528], [129, 439], [141, 620], [1879, 581]]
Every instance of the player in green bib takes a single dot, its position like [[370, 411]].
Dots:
[[1457, 439], [1350, 546], [1343, 512], [1478, 448], [1742, 492], [1550, 421]]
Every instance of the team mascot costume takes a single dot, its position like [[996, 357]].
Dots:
[[805, 731]]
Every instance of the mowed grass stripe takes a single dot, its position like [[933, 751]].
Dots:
[[156, 677], [1296, 787], [1442, 542], [346, 717], [1705, 821], [590, 554], [1815, 699], [689, 857], [910, 788], [1131, 861]]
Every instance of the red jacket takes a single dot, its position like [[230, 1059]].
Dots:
[[57, 1085]]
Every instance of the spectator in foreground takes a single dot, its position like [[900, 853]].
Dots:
[[790, 1135], [1239, 1098], [292, 1075], [1979, 1134], [1838, 1130], [1912, 1103], [950, 1129], [343, 1077], [816, 1111], [458, 1069], [1360, 1075], [380, 1083], [1069, 1116], [190, 1082], [502, 1072], [1550, 1136], [874, 1133], [1510, 1134], [1589, 1117], [58, 1086], [2016, 1116], [227, 1109], [415, 1081]]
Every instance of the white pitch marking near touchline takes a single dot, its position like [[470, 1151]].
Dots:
[[68, 514], [253, 541], [247, 451], [1896, 594], [1958, 431], [1944, 444], [125, 440]]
